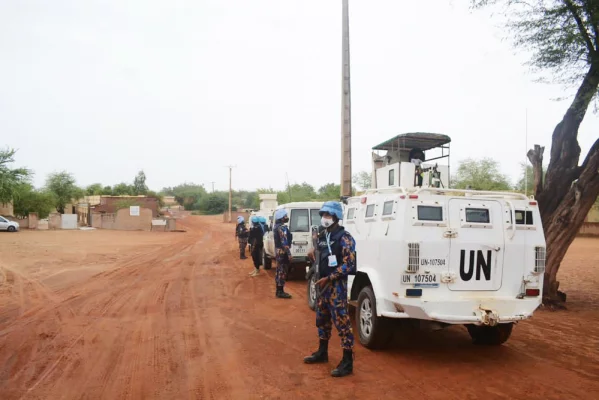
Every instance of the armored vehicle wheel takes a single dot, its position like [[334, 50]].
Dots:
[[312, 292], [375, 332], [490, 335], [267, 262]]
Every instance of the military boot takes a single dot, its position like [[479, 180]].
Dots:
[[281, 293], [242, 254], [321, 355], [346, 366]]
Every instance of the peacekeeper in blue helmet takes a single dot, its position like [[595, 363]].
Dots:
[[283, 240], [257, 232], [337, 260]]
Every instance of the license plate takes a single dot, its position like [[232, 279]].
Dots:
[[421, 280], [299, 249]]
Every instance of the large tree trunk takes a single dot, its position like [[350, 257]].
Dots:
[[569, 190]]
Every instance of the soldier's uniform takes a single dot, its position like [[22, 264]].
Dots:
[[336, 261], [257, 242], [283, 240], [241, 233]]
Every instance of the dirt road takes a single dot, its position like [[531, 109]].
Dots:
[[121, 315]]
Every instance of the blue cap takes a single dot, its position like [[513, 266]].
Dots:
[[240, 220], [333, 208], [280, 214], [262, 220], [254, 220]]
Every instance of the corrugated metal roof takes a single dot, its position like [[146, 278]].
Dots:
[[407, 141]]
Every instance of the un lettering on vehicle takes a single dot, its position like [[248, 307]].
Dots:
[[433, 262]]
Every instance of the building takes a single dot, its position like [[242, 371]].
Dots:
[[6, 210], [111, 204]]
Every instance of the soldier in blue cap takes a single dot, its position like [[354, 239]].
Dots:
[[257, 232], [241, 233], [283, 240], [337, 260]]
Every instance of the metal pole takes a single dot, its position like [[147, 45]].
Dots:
[[525, 157], [346, 167], [230, 191]]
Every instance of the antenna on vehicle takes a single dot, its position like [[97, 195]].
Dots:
[[525, 156]]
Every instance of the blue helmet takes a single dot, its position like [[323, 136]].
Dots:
[[333, 208], [280, 214], [262, 220], [240, 219], [255, 220]]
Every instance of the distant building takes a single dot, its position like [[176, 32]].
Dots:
[[169, 201], [7, 210]]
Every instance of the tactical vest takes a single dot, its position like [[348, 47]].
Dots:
[[323, 249], [278, 244]]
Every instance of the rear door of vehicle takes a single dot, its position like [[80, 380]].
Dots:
[[477, 244], [299, 226]]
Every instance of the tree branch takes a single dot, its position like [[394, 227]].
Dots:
[[592, 17], [581, 27]]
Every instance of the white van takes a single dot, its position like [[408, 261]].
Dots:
[[302, 217]]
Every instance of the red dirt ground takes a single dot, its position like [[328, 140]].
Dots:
[[147, 315]]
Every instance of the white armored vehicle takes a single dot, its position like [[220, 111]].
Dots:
[[442, 256]]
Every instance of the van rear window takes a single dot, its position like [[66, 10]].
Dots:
[[430, 213], [478, 216], [522, 215], [299, 221]]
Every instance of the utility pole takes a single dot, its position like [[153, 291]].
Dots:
[[346, 173], [230, 190], [213, 186]]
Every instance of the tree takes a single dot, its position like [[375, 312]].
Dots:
[[123, 189], [362, 179], [27, 200], [187, 194], [563, 37], [480, 175], [10, 179], [526, 181], [139, 184], [214, 203], [63, 188], [94, 189], [330, 191]]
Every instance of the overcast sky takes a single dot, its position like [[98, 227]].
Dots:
[[181, 89]]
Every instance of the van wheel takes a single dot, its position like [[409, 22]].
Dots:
[[312, 292], [375, 332], [11, 229], [267, 262], [490, 335]]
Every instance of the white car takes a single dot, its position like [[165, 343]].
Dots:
[[6, 225]]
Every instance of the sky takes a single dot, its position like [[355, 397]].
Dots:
[[182, 89]]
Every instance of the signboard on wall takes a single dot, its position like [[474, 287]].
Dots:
[[134, 211]]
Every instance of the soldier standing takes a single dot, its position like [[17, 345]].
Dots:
[[337, 260], [241, 233], [283, 239]]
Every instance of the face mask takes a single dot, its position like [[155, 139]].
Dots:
[[326, 222]]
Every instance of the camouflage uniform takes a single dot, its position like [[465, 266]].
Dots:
[[283, 254], [241, 232], [332, 306]]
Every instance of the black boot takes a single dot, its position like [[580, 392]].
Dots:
[[320, 356], [346, 366], [242, 254], [281, 294]]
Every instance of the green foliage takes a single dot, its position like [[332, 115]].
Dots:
[[123, 189], [480, 175], [157, 196], [330, 191], [362, 179], [139, 184], [561, 36], [10, 178], [63, 188], [94, 190], [186, 194], [107, 190], [27, 200], [126, 203], [214, 203]]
